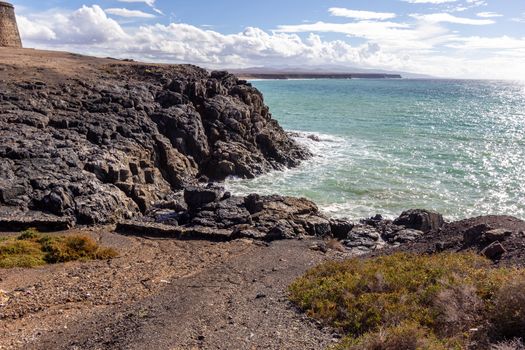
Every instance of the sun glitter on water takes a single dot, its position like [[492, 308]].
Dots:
[[384, 146]]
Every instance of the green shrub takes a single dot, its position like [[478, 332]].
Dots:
[[29, 234], [72, 248], [442, 295], [31, 249], [16, 253], [407, 336]]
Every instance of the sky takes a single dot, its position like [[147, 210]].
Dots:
[[446, 38]]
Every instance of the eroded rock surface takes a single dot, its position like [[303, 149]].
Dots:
[[116, 140]]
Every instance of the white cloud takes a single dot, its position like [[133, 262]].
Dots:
[[87, 25], [123, 12], [30, 30], [150, 3], [477, 2], [465, 6], [421, 46], [477, 43], [391, 36], [519, 19], [343, 12], [488, 14], [429, 1], [448, 18]]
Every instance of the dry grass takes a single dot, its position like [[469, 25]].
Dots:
[[508, 312], [514, 344], [15, 253], [32, 249], [432, 299], [405, 336]]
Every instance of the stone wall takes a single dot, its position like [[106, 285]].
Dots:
[[9, 35]]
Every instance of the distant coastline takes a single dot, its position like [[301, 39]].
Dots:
[[290, 76]]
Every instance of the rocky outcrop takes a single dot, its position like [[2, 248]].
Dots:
[[420, 219], [499, 238], [215, 215], [124, 138], [208, 212]]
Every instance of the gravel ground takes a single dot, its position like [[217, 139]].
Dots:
[[163, 294]]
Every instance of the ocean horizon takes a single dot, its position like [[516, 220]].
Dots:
[[382, 146]]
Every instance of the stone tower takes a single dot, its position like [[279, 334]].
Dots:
[[9, 35]]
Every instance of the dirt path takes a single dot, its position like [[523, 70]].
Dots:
[[238, 304], [164, 294]]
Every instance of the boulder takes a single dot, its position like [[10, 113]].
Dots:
[[473, 235], [420, 219], [363, 236], [406, 235], [196, 197], [317, 226], [340, 228], [493, 251], [497, 235]]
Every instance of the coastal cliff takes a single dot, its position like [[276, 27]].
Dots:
[[143, 148], [93, 141], [89, 141]]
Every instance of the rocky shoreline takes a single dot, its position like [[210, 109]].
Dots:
[[116, 140], [133, 155], [146, 146]]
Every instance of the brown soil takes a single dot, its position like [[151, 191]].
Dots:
[[47, 64], [162, 294]]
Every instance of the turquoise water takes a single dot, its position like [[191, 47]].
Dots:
[[384, 146]]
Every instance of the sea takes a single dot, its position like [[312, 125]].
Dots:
[[387, 145]]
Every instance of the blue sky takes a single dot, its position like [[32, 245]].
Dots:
[[449, 38]]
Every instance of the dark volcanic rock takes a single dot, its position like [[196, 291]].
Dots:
[[218, 217], [196, 197], [501, 238], [420, 219], [493, 250], [340, 228], [122, 139], [13, 220], [365, 236], [497, 235], [474, 234], [403, 236]]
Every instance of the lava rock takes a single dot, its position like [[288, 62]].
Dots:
[[363, 236], [420, 219], [497, 235], [406, 235], [111, 142], [196, 197], [493, 251], [340, 228], [474, 234]]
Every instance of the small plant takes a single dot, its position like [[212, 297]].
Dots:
[[29, 234], [507, 315], [31, 248], [514, 344], [72, 248], [421, 299], [20, 253], [406, 336]]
